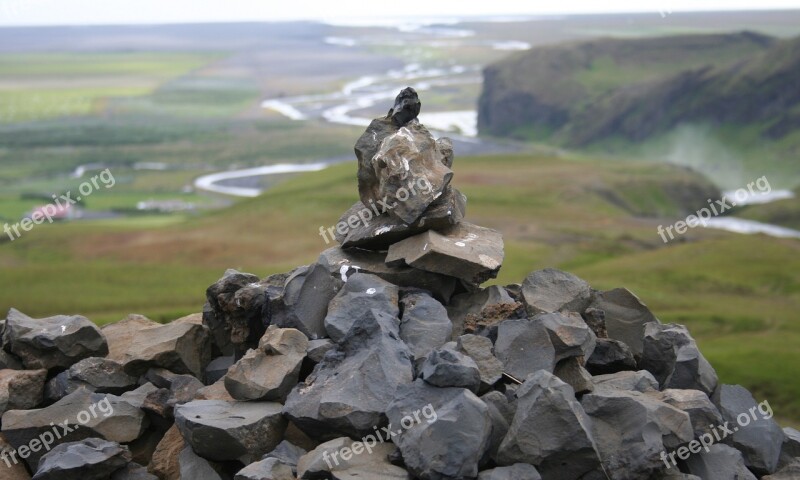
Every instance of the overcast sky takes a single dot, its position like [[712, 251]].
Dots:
[[93, 12]]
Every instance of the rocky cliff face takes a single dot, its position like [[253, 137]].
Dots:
[[633, 89], [385, 359]]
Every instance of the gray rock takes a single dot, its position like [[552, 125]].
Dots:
[[287, 453], [21, 389], [551, 290], [90, 459], [632, 429], [625, 316], [445, 367], [8, 361], [570, 335], [52, 342], [95, 374], [758, 437], [132, 471], [638, 381], [790, 450], [266, 469], [343, 263], [178, 347], [220, 431], [451, 436], [318, 348], [571, 372], [610, 356], [395, 161], [376, 229], [218, 367], [546, 404], [672, 356], [195, 467], [701, 410], [480, 350], [721, 462], [371, 360], [501, 413], [343, 458], [424, 324], [270, 371], [471, 253], [788, 472], [362, 293], [306, 297], [472, 311], [518, 471], [524, 347], [77, 416], [227, 317]]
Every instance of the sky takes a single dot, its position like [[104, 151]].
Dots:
[[99, 12]]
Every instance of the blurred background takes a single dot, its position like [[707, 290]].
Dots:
[[579, 129]]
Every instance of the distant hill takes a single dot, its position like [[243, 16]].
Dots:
[[581, 94]]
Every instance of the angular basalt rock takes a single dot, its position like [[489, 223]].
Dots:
[[570, 335], [445, 367], [362, 293], [570, 371], [424, 324], [672, 356], [610, 356], [236, 303], [524, 347], [634, 381], [501, 414], [343, 458], [480, 350], [471, 253], [193, 466], [720, 462], [270, 371], [701, 410], [306, 296], [625, 316], [790, 450], [218, 367], [21, 389], [52, 342], [90, 459], [551, 290], [221, 431], [95, 374]]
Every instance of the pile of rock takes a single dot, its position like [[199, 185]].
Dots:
[[384, 359]]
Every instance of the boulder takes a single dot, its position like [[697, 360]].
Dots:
[[119, 335], [21, 389], [371, 360], [95, 374], [53, 342], [571, 372], [551, 290], [165, 464], [517, 471], [424, 324], [639, 381], [479, 349], [755, 433], [77, 416], [343, 458], [470, 312], [361, 294], [445, 367], [89, 459], [221, 431], [471, 253], [178, 347], [672, 356], [270, 371], [610, 356], [625, 316], [701, 410], [343, 263], [307, 294], [546, 404], [720, 462], [524, 347], [633, 429], [450, 437], [570, 335]]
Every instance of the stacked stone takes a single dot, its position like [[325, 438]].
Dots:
[[372, 365]]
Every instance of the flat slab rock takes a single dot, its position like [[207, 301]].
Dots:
[[466, 251]]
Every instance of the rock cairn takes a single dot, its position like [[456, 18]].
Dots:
[[384, 359]]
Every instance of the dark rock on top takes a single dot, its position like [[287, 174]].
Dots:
[[406, 107], [90, 459], [52, 342]]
